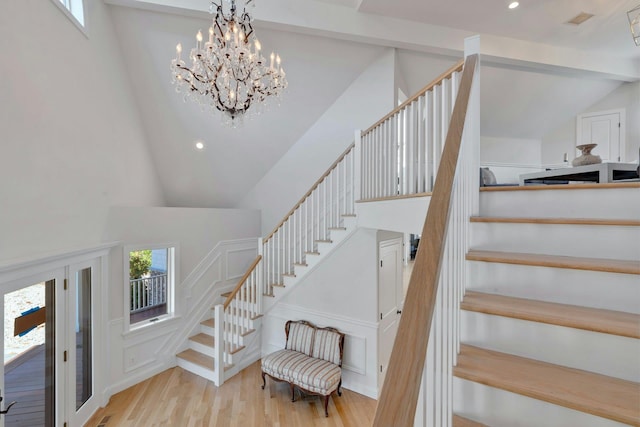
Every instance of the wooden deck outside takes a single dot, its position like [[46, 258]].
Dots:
[[24, 382]]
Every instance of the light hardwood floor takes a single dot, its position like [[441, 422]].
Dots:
[[177, 398]]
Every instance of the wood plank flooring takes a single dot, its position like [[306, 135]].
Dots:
[[178, 398], [24, 383]]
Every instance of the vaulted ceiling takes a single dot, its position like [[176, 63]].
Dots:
[[326, 44]]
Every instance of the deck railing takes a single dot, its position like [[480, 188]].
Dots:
[[430, 314], [148, 292], [401, 152]]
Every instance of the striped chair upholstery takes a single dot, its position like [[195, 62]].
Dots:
[[326, 346], [311, 360], [300, 337]]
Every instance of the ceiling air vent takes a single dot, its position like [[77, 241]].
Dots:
[[580, 18]]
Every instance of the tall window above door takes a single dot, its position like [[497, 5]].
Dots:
[[149, 284], [74, 9]]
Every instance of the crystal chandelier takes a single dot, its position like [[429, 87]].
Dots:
[[228, 72]]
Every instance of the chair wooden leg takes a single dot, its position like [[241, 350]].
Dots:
[[340, 387], [326, 406], [293, 392], [264, 381]]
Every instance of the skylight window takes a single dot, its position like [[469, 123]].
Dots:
[[74, 9]]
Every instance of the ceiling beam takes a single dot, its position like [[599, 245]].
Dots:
[[346, 23]]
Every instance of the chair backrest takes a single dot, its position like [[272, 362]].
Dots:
[[321, 343], [300, 336]]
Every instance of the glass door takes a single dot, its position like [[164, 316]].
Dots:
[[80, 326], [32, 372]]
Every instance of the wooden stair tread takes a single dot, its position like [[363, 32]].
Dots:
[[312, 253], [459, 421], [203, 339], [247, 332], [197, 358], [236, 349], [595, 394], [572, 316], [226, 294], [602, 186], [209, 323], [301, 264], [558, 261], [572, 221]]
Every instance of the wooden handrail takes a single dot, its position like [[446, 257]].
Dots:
[[456, 67], [313, 187], [241, 282], [399, 396]]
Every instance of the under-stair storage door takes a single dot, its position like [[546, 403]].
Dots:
[[33, 371], [390, 294]]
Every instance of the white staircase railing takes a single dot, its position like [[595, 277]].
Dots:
[[420, 368], [401, 152], [321, 209], [309, 222]]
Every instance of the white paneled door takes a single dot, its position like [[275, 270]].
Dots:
[[606, 130], [390, 296]]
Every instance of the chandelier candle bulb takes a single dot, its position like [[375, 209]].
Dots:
[[178, 51]]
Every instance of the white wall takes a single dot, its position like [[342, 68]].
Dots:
[[507, 158], [215, 248], [563, 139], [366, 100], [72, 143], [402, 215], [342, 293]]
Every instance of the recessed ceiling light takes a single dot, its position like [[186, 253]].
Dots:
[[513, 5], [199, 145]]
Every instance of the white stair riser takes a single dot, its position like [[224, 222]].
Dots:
[[593, 241], [499, 408], [592, 351], [606, 203], [196, 369], [207, 330], [201, 348], [613, 291]]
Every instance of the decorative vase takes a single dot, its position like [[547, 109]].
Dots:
[[586, 158]]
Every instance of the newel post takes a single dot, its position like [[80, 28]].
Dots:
[[471, 134], [357, 166], [260, 276], [218, 359]]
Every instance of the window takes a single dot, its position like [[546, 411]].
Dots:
[[150, 279], [74, 9]]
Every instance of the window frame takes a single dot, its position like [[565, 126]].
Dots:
[[173, 272], [72, 9]]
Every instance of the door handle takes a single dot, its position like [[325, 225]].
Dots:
[[399, 312], [8, 407]]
